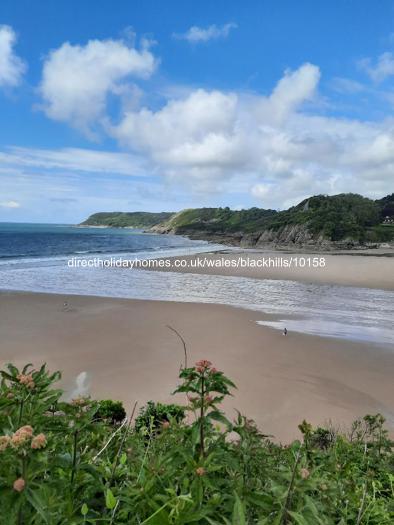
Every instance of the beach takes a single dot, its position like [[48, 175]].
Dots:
[[129, 353], [365, 269]]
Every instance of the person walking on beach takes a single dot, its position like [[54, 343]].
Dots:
[[285, 331]]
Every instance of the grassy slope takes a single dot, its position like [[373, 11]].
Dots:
[[336, 217], [138, 219]]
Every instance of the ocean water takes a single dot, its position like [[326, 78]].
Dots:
[[34, 258], [22, 241]]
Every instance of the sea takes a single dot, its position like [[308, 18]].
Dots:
[[36, 258]]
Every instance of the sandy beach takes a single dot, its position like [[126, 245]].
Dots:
[[367, 269], [129, 354]]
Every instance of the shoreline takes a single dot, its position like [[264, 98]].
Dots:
[[344, 269], [128, 353]]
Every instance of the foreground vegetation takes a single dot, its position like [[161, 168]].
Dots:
[[83, 462]]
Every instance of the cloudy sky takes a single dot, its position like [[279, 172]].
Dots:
[[117, 105]]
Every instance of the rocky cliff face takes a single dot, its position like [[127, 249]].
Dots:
[[290, 236]]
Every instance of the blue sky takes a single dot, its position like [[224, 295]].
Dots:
[[150, 105]]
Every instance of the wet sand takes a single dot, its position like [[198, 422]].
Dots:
[[130, 354], [362, 269]]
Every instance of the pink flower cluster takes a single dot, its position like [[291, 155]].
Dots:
[[38, 441], [305, 473], [19, 484], [27, 380], [23, 436], [203, 365], [4, 442]]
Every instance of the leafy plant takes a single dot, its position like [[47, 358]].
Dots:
[[63, 464], [206, 387]]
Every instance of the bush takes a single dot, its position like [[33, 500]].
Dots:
[[153, 415], [110, 411]]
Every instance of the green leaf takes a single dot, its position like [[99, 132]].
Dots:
[[300, 520], [110, 500], [238, 512], [216, 415], [36, 502], [159, 517], [84, 509]]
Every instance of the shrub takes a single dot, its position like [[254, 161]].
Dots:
[[153, 415], [110, 411]]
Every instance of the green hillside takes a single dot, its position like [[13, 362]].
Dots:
[[219, 220], [118, 219], [334, 218]]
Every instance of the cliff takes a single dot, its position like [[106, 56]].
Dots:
[[346, 221], [340, 221]]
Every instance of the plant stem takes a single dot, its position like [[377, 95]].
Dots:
[[24, 476], [182, 340], [121, 445], [361, 509], [75, 444], [286, 506], [202, 449], [21, 412]]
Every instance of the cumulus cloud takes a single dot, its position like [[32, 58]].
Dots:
[[381, 69], [275, 147], [10, 204], [77, 80], [208, 136], [12, 67], [196, 34]]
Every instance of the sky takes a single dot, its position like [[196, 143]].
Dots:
[[120, 105]]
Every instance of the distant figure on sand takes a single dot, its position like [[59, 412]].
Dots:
[[285, 331], [65, 305]]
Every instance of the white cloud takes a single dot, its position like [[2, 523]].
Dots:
[[270, 146], [196, 34], [347, 85], [77, 79], [74, 159], [261, 190], [10, 204], [382, 69], [290, 92], [12, 67], [208, 136]]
